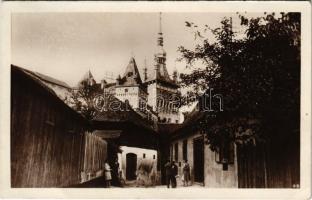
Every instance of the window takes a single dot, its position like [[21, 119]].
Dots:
[[126, 90], [184, 147], [176, 152], [225, 154], [144, 155], [154, 157], [169, 120], [177, 121], [225, 167]]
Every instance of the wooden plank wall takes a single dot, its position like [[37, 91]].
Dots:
[[47, 138], [275, 164], [95, 154], [251, 167]]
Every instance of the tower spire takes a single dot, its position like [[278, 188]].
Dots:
[[160, 23], [160, 39], [145, 70]]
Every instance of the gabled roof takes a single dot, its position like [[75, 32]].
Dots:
[[44, 78], [50, 79], [62, 89], [35, 78], [131, 76]]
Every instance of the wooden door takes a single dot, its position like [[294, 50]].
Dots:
[[131, 166], [198, 150]]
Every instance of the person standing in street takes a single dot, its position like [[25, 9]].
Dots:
[[174, 174], [108, 174], [186, 173], [168, 173]]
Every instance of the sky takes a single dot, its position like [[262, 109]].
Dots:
[[67, 45]]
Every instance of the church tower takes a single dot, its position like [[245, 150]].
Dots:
[[129, 87], [162, 90]]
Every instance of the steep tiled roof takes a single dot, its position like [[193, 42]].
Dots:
[[163, 73], [131, 75], [40, 80], [124, 113], [162, 76], [62, 90], [50, 79]]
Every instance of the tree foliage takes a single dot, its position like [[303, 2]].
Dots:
[[82, 99], [257, 74]]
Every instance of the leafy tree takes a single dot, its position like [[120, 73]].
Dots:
[[258, 75], [82, 99]]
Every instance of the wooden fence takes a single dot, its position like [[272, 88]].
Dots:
[[95, 154], [49, 145], [275, 164]]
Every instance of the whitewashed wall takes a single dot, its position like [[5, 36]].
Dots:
[[139, 152], [215, 176]]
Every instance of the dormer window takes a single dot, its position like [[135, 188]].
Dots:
[[129, 74]]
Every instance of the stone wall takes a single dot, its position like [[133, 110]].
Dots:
[[128, 93]]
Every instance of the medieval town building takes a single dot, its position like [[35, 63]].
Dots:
[[53, 145], [162, 90], [129, 88], [209, 168], [155, 96]]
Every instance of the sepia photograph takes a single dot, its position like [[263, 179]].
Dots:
[[156, 100]]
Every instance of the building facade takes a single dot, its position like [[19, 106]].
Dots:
[[129, 88], [139, 164], [209, 168], [163, 91], [206, 167], [156, 97]]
